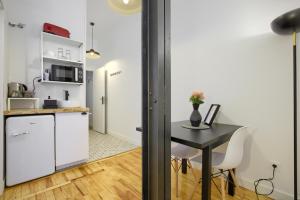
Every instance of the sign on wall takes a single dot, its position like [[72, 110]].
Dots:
[[116, 73]]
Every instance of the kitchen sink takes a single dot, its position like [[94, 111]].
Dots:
[[68, 104]]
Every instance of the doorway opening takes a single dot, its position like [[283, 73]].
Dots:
[[113, 80], [102, 141]]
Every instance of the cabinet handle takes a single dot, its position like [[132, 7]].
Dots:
[[19, 134], [83, 113]]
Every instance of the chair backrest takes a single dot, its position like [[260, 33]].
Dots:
[[235, 150]]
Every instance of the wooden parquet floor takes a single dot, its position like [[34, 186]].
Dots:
[[114, 178]]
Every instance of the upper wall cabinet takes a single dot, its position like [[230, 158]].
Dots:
[[64, 52]]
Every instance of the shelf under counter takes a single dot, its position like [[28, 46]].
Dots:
[[43, 111]]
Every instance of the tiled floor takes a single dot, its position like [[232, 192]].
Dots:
[[106, 145]]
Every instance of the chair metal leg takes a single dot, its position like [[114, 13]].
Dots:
[[234, 178], [176, 176], [195, 188], [184, 166], [193, 171], [216, 185], [195, 177], [222, 187], [231, 186], [236, 183]]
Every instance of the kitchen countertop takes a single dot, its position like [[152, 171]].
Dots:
[[44, 111]]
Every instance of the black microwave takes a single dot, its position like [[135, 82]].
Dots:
[[66, 74]]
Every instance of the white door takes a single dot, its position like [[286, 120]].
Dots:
[[99, 101]]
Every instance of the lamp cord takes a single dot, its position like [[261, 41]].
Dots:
[[92, 37], [270, 180], [92, 24]]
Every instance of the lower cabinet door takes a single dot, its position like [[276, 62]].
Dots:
[[72, 139]]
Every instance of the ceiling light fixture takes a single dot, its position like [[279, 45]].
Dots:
[[126, 7], [92, 54]]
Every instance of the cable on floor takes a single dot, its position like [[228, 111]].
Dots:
[[270, 180]]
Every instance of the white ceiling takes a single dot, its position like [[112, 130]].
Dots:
[[99, 12], [102, 14], [107, 22]]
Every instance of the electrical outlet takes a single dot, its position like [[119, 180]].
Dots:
[[274, 162]]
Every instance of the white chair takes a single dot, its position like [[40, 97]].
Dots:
[[179, 152], [229, 160]]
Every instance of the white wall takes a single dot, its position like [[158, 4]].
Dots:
[[124, 89], [24, 44], [2, 63], [118, 38], [227, 49]]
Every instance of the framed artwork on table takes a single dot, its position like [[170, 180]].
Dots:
[[211, 114]]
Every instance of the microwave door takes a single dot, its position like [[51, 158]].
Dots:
[[69, 74], [63, 73], [57, 73]]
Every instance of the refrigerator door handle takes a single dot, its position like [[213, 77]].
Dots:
[[21, 133]]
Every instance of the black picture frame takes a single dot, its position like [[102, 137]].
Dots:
[[211, 114]]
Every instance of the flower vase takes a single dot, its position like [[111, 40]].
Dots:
[[195, 118]]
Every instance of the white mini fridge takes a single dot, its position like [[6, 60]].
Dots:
[[29, 148]]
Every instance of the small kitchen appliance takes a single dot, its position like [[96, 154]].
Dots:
[[16, 90], [56, 30], [66, 74], [30, 152], [50, 103]]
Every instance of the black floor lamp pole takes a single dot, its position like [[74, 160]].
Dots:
[[295, 114], [287, 24]]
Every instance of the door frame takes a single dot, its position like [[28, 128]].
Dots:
[[105, 101], [156, 100], [104, 98], [86, 96]]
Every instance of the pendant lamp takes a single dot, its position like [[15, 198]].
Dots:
[[92, 54], [289, 24], [126, 7]]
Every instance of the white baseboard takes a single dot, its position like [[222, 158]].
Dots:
[[73, 164], [249, 184], [2, 185], [136, 141]]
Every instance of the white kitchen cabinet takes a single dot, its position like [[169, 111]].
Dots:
[[72, 139]]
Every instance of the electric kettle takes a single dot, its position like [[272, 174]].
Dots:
[[16, 90]]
